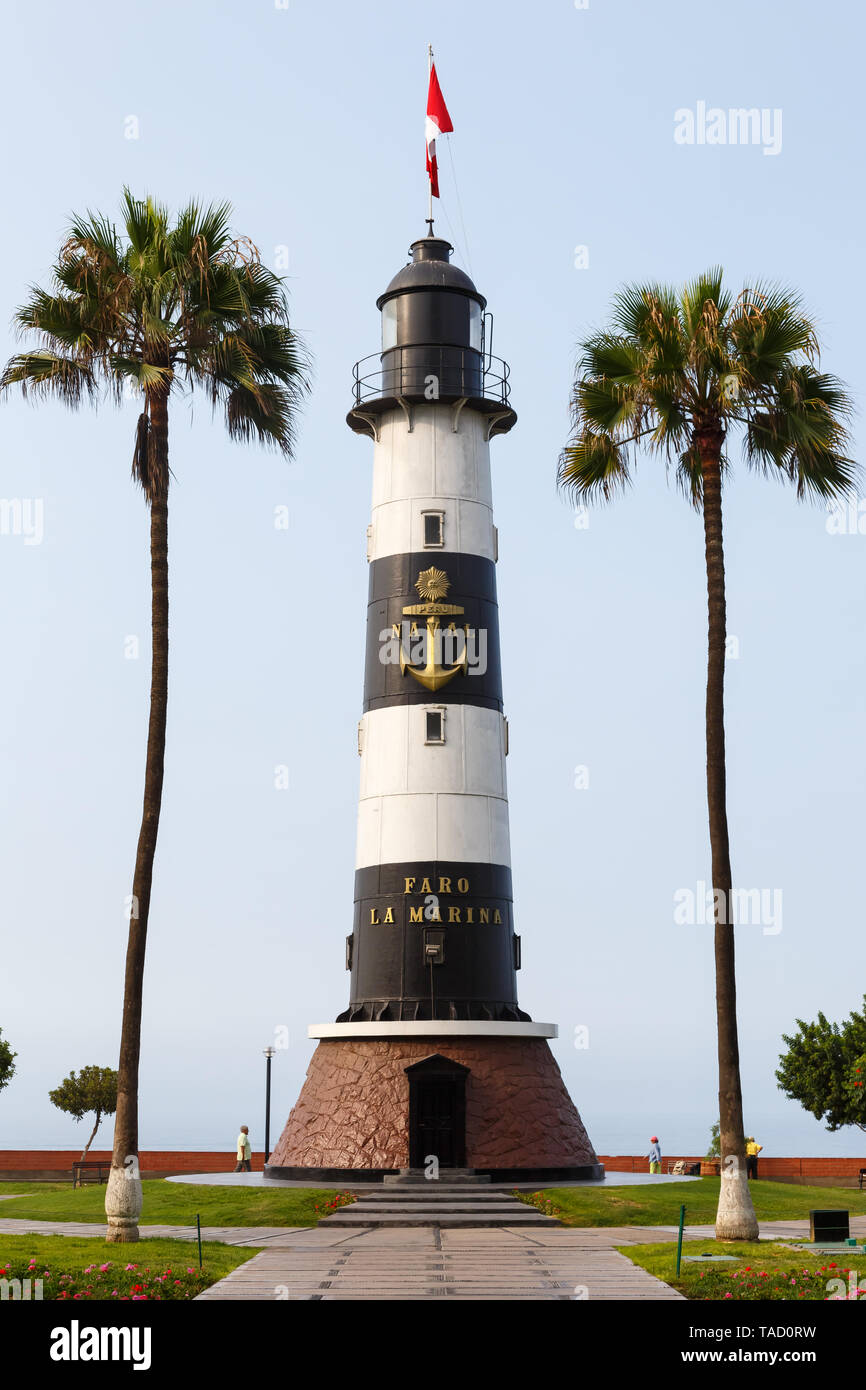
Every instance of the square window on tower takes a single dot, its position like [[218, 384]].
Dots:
[[435, 725], [434, 530]]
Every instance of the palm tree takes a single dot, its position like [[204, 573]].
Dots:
[[677, 372], [156, 308]]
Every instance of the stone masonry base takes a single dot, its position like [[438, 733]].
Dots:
[[353, 1110]]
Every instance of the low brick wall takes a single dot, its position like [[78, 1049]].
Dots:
[[818, 1172], [27, 1165]]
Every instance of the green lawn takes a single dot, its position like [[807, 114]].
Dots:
[[170, 1203], [650, 1205], [177, 1203], [69, 1267], [768, 1271]]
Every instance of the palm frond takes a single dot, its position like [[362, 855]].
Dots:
[[95, 235], [160, 304], [689, 475], [682, 372], [140, 454], [145, 223], [46, 373], [768, 329], [266, 414], [592, 466], [638, 309], [704, 304], [607, 356], [804, 435]]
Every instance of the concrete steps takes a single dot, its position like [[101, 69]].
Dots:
[[445, 1204], [442, 1217], [434, 1192], [449, 1177]]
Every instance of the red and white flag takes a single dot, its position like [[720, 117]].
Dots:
[[438, 122]]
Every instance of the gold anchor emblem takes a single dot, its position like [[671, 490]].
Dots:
[[433, 585]]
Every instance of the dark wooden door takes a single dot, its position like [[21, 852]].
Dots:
[[437, 1112], [436, 1121]]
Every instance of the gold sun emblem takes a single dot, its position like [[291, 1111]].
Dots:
[[432, 584]]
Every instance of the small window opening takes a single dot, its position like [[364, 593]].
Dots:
[[434, 528], [435, 726]]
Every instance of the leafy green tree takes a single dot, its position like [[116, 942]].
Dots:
[[856, 1088], [157, 308], [7, 1062], [679, 373], [93, 1090], [824, 1069], [715, 1149]]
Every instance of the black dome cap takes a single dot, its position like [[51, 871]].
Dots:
[[431, 268]]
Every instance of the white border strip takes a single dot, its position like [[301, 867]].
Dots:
[[438, 1028]]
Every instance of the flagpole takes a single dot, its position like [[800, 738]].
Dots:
[[429, 180]]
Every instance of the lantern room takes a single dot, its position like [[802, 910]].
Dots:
[[436, 345]]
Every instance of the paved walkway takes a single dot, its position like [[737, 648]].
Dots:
[[505, 1263], [265, 1235], [423, 1262], [315, 1264], [231, 1235]]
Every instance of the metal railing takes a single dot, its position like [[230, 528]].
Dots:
[[407, 371]]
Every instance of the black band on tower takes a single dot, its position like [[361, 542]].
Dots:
[[465, 587], [463, 912]]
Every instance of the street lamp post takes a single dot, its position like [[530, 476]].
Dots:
[[269, 1052]]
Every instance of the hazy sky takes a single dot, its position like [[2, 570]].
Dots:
[[309, 118]]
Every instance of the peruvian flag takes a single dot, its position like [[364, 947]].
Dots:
[[438, 122]]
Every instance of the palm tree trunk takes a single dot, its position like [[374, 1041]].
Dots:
[[735, 1219], [123, 1193]]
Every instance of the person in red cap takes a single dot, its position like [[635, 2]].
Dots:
[[655, 1155]]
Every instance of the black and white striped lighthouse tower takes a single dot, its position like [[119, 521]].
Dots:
[[433, 935], [433, 1055]]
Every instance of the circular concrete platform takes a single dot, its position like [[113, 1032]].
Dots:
[[259, 1180]]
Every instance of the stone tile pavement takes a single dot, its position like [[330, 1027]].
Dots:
[[397, 1263], [231, 1235], [424, 1262]]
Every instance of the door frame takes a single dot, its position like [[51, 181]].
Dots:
[[440, 1069]]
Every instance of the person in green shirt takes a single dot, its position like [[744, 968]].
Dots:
[[245, 1151]]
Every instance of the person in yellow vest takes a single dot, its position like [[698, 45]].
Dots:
[[245, 1151], [752, 1151]]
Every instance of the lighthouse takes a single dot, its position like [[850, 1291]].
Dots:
[[433, 1056]]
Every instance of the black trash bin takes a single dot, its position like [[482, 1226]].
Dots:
[[827, 1226]]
